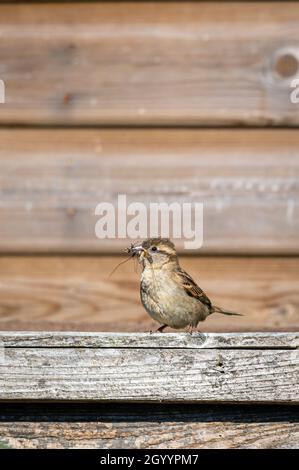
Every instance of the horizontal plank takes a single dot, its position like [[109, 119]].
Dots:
[[40, 426], [130, 63], [52, 180], [77, 294], [150, 375], [48, 339]]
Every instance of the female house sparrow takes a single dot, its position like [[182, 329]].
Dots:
[[168, 293]]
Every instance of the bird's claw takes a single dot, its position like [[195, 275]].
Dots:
[[190, 329]]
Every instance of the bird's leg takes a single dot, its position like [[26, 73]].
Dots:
[[190, 328], [160, 329]]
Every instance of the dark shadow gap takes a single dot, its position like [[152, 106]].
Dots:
[[128, 412]]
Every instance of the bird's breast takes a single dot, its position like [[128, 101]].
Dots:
[[158, 283], [167, 302], [160, 295]]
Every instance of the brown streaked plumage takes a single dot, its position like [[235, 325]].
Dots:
[[168, 293]]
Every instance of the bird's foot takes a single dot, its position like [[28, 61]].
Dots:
[[190, 329]]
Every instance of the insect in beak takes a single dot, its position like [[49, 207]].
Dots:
[[140, 252], [135, 250]]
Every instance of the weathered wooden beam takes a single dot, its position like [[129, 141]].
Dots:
[[51, 181], [151, 373], [31, 339], [136, 63]]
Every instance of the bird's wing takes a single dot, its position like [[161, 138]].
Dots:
[[191, 288]]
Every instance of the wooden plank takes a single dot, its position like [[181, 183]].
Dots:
[[134, 426], [33, 339], [150, 375], [77, 294], [123, 63], [52, 180]]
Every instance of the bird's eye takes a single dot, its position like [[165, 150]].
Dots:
[[154, 248]]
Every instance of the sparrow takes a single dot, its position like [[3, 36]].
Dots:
[[168, 293]]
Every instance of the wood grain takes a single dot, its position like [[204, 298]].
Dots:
[[150, 375], [76, 293], [21, 339], [52, 180], [136, 426], [125, 63]]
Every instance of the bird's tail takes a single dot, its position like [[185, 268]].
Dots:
[[225, 312]]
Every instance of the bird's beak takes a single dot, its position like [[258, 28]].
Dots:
[[140, 252]]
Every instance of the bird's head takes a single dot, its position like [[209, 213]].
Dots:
[[154, 252]]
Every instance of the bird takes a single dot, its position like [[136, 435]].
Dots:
[[168, 293]]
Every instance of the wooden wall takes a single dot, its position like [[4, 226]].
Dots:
[[163, 101]]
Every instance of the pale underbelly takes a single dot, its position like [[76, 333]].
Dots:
[[177, 311]]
